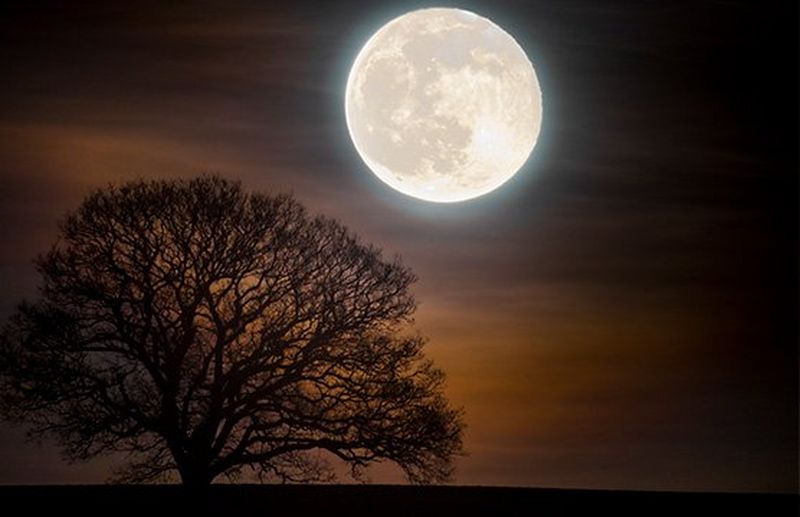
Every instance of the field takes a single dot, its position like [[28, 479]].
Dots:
[[382, 500]]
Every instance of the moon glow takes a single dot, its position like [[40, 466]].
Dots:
[[443, 105]]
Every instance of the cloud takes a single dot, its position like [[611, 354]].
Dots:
[[610, 315]]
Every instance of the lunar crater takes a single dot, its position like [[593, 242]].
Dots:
[[443, 105]]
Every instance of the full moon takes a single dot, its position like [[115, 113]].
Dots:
[[443, 105]]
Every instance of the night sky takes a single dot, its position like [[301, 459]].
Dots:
[[621, 314]]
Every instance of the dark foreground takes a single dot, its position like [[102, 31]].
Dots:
[[378, 500]]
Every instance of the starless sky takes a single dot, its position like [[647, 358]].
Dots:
[[621, 314]]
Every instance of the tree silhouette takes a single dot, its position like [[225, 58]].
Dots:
[[208, 331]]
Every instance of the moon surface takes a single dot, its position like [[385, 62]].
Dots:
[[443, 105]]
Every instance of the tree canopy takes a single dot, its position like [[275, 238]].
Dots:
[[207, 331]]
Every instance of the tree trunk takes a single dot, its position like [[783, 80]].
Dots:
[[195, 477]]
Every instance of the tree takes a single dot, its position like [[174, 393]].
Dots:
[[208, 331]]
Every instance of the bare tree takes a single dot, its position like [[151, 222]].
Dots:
[[209, 331]]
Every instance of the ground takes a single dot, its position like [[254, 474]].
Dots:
[[381, 500]]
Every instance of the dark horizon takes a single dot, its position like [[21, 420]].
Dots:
[[392, 500], [621, 314]]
